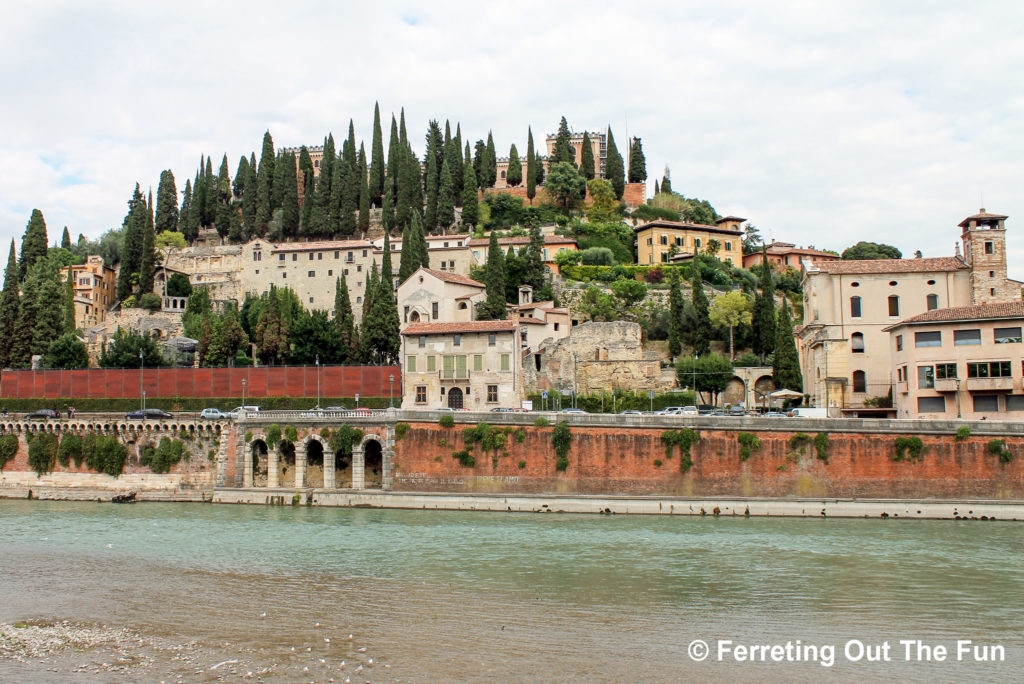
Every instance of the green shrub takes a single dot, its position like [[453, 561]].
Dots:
[[685, 439], [42, 452], [400, 430], [821, 446], [748, 442], [70, 449], [657, 463], [344, 438], [273, 434], [464, 458], [248, 436], [799, 442], [520, 435], [997, 447], [150, 301], [446, 421], [489, 438], [561, 440], [962, 433], [541, 421], [908, 449], [167, 455], [104, 454], [211, 455], [291, 434], [8, 449], [522, 464]]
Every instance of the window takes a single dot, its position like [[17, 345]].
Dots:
[[311, 274], [696, 242], [860, 382], [359, 268], [350, 256], [280, 257], [945, 371], [1015, 402], [478, 362], [989, 369], [857, 343], [364, 252], [901, 374], [650, 241], [431, 364], [988, 403], [433, 310], [728, 248], [989, 249], [310, 300], [502, 175], [933, 302], [337, 254], [991, 274], [295, 257], [893, 283], [410, 363], [319, 256], [664, 239], [421, 394], [961, 337], [457, 340], [894, 305], [504, 362], [1007, 335], [855, 309], [664, 256], [855, 284], [285, 274], [928, 339], [330, 272], [492, 394], [556, 327], [423, 341], [899, 343], [679, 241], [931, 404], [256, 256], [926, 377], [492, 339]]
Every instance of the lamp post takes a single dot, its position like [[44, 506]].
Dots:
[[243, 391], [391, 398], [958, 414], [142, 370], [318, 381]]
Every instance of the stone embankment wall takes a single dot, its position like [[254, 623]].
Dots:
[[622, 461]]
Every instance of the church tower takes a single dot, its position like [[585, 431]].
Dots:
[[984, 238]]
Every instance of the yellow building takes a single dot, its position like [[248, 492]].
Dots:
[[658, 242], [95, 288]]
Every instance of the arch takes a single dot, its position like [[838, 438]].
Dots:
[[860, 381], [763, 386], [286, 463], [343, 470], [259, 457], [734, 391], [316, 450], [463, 306], [455, 398], [373, 455], [414, 317], [857, 343]]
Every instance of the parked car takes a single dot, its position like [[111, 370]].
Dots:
[[335, 408], [572, 410], [773, 414], [42, 414], [809, 412], [148, 414], [239, 410], [214, 414], [737, 411], [631, 412], [501, 409]]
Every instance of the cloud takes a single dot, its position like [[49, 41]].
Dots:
[[824, 123]]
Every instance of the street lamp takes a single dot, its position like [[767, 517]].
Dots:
[[391, 399], [318, 381], [958, 413], [142, 370], [243, 391]]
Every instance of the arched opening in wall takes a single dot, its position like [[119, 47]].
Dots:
[[259, 454], [414, 317], [857, 343], [314, 464], [343, 470], [763, 386], [454, 399], [286, 463], [374, 475], [733, 392], [860, 381]]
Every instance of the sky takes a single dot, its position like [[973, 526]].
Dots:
[[823, 123]]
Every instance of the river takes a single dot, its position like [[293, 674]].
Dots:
[[255, 593]]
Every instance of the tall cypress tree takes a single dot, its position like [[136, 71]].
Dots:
[[446, 197], [223, 197], [20, 355], [479, 157], [419, 241], [344, 322], [432, 160], [9, 305], [320, 224], [33, 244], [533, 270], [308, 177], [786, 364], [363, 224], [134, 229], [68, 300], [369, 292], [408, 261], [167, 203], [666, 181], [656, 188], [264, 188], [492, 162], [702, 323], [65, 240], [587, 158], [410, 191], [637, 162], [185, 213], [453, 155], [49, 323], [531, 167], [470, 206], [563, 151], [211, 195], [676, 321], [147, 259], [493, 308], [289, 194], [515, 168], [763, 318], [613, 168], [387, 305], [199, 195], [241, 178], [375, 182], [393, 170], [350, 185]]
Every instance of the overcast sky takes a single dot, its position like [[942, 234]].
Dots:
[[823, 123]]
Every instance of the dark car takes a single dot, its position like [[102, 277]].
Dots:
[[42, 414], [150, 413]]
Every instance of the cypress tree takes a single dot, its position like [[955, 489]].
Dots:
[[65, 240], [147, 259], [344, 323], [339, 183], [264, 188], [702, 324], [675, 312], [134, 228], [350, 185], [185, 213], [515, 168], [470, 206], [419, 241], [563, 151], [387, 214], [49, 304], [241, 178], [432, 160], [613, 169], [211, 195], [479, 155], [393, 168], [453, 155], [403, 136], [33, 244], [166, 203], [410, 191], [9, 305], [68, 300], [250, 195], [786, 364], [656, 188], [408, 261], [308, 177], [763, 318], [199, 194], [375, 183], [223, 198], [289, 194], [321, 221], [446, 197], [637, 162], [531, 167], [533, 271], [387, 309], [369, 292], [666, 181], [493, 308], [278, 189], [492, 162], [363, 224], [20, 355], [587, 158]]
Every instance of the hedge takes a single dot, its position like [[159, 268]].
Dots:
[[196, 404]]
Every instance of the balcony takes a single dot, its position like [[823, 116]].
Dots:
[[946, 385], [989, 384]]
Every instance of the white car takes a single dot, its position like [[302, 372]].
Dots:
[[240, 411], [214, 414]]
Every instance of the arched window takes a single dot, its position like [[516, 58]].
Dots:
[[894, 305], [860, 381], [855, 310], [857, 343], [933, 302]]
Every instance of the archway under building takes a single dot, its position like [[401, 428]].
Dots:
[[455, 398], [259, 454], [373, 468], [763, 386], [314, 463], [286, 464], [734, 392], [343, 470]]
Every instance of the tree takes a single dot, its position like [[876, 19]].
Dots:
[[67, 352], [68, 301], [375, 184], [386, 315], [185, 226], [613, 167], [637, 162], [432, 161], [65, 240], [599, 305], [445, 198], [349, 197], [666, 182], [565, 184], [494, 307], [629, 292], [363, 224], [344, 323], [314, 337], [786, 364], [710, 373], [491, 162], [563, 151], [288, 192], [604, 206], [479, 162], [134, 229], [871, 250], [166, 203], [226, 340], [33, 243], [533, 268], [9, 306], [147, 259], [178, 285], [470, 202], [597, 256], [702, 328], [730, 310], [531, 167], [763, 318], [751, 238], [264, 188], [123, 351], [587, 158], [515, 168], [676, 322]]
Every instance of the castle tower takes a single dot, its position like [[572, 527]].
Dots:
[[984, 238]]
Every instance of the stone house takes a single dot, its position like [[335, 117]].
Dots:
[[658, 241], [435, 296], [783, 255], [95, 285]]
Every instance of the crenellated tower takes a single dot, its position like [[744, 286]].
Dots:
[[984, 240]]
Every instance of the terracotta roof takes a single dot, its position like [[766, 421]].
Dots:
[[981, 217], [933, 264], [464, 327], [730, 218], [320, 244], [531, 320], [679, 225], [978, 312], [454, 278], [784, 248], [523, 240]]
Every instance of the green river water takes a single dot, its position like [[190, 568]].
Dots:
[[490, 597]]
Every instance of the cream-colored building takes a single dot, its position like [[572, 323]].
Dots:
[[553, 246], [783, 255], [470, 364], [657, 242], [845, 353], [429, 296], [448, 253], [539, 322], [95, 286], [960, 362]]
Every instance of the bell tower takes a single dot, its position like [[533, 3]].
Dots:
[[984, 238]]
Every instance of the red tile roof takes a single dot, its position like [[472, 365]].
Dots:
[[454, 278], [523, 240], [678, 225], [928, 265], [464, 327], [319, 244], [978, 312], [981, 217]]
